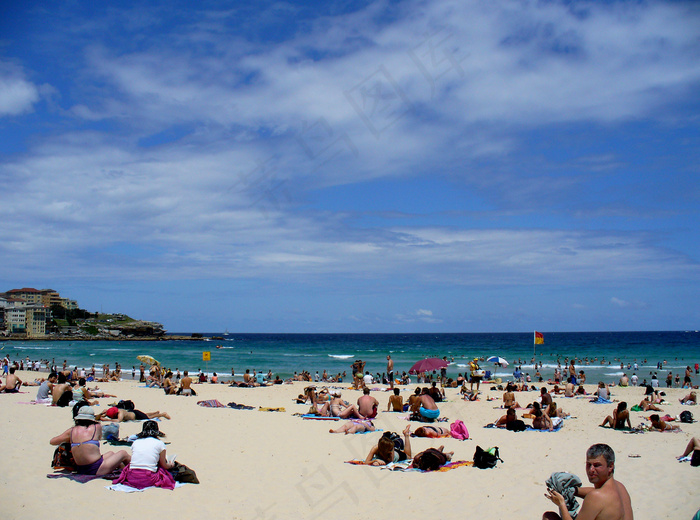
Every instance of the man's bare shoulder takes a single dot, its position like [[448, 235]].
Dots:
[[610, 502]]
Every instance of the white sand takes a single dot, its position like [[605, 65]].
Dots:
[[268, 465]]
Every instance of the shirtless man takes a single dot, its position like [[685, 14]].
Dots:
[[428, 409], [545, 397], [367, 405], [606, 500], [59, 388], [186, 385], [569, 390], [390, 371], [395, 402], [12, 382]]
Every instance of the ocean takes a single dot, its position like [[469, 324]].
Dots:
[[599, 354]]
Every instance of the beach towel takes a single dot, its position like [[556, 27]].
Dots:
[[600, 400], [557, 427], [268, 409], [211, 403], [566, 484], [637, 408], [128, 489], [319, 417], [404, 465]]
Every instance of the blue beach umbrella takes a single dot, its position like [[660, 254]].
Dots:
[[498, 360]]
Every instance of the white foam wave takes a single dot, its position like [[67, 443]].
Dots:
[[341, 356]]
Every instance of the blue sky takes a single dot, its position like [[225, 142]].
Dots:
[[394, 166]]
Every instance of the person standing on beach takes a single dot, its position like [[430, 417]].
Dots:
[[572, 372], [608, 499], [390, 371]]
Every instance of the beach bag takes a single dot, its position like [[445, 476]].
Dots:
[[695, 459], [396, 439], [516, 426], [110, 432], [126, 405], [65, 399], [63, 458], [182, 473], [458, 430], [485, 459], [686, 416]]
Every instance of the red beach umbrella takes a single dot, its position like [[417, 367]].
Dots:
[[428, 365]]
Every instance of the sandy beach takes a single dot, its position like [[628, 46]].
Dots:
[[274, 465]]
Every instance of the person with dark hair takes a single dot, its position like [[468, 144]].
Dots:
[[620, 415], [509, 398], [43, 395], [84, 439], [694, 447], [542, 421], [608, 499], [81, 393], [149, 465], [12, 382], [387, 451], [662, 426], [395, 402], [428, 410], [367, 405], [432, 459], [62, 386]]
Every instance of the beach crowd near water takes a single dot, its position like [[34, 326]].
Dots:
[[412, 423]]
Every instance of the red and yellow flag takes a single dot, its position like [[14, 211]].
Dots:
[[539, 338]]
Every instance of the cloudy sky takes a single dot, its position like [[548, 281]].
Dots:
[[394, 166]]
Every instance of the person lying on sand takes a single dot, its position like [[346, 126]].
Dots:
[[115, 414], [431, 459], [510, 416], [432, 432], [689, 399], [646, 406], [386, 451], [662, 426], [355, 426], [620, 416]]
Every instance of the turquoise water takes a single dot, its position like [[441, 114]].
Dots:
[[284, 354]]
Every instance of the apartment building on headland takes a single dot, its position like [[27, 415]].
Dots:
[[26, 310]]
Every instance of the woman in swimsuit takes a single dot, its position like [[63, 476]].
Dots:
[[84, 439], [619, 417], [385, 451], [432, 432], [355, 426], [336, 407]]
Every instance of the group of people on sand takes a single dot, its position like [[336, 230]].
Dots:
[[146, 466], [544, 412]]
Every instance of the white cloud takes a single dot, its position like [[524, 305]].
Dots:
[[17, 95], [625, 304]]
